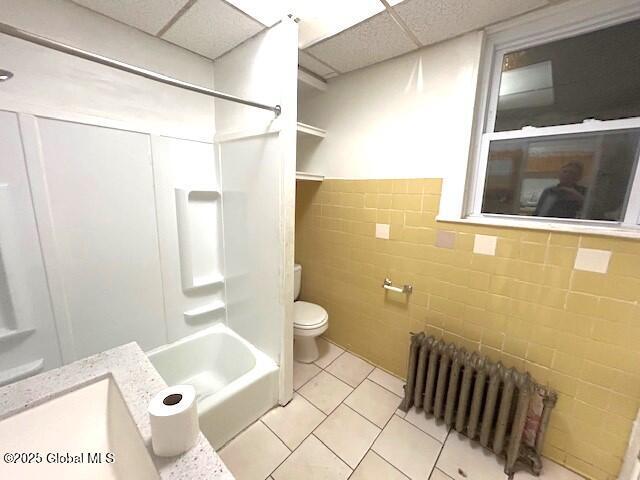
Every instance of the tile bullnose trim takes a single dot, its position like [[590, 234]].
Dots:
[[524, 224]]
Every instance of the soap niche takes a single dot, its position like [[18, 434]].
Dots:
[[200, 238]]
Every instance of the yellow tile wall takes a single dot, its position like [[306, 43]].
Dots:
[[577, 331]]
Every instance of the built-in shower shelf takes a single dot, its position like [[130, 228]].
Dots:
[[314, 177], [198, 268], [6, 334], [208, 281], [21, 371], [311, 130], [196, 313]]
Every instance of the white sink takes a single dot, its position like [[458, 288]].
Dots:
[[86, 421]]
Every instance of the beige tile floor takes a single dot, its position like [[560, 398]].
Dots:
[[343, 423]]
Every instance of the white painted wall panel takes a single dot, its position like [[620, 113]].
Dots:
[[258, 180], [409, 117], [187, 164], [101, 201], [258, 70], [253, 249], [23, 288], [54, 84]]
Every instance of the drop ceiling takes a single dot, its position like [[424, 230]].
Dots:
[[336, 36]]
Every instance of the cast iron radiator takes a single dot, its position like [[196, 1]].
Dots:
[[502, 408]]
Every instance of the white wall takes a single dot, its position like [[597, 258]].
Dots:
[[85, 130], [407, 117], [258, 70], [56, 84], [189, 165], [252, 240], [104, 248], [27, 330], [93, 195], [258, 183], [104, 201]]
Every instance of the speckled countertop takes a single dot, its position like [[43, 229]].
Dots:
[[139, 382]]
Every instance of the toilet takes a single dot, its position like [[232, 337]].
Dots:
[[309, 321]]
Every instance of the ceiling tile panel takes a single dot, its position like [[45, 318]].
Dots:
[[266, 12], [436, 20], [313, 65], [369, 42], [147, 15], [324, 18], [211, 28]]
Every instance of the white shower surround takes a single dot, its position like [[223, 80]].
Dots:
[[263, 69]]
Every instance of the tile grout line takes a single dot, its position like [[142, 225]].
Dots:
[[291, 452], [337, 357], [370, 449], [340, 380], [318, 426], [435, 464], [321, 368], [385, 425], [426, 433], [294, 391], [379, 384], [309, 379], [329, 448], [342, 402], [364, 359], [311, 433], [286, 446], [278, 437], [354, 388], [361, 415]]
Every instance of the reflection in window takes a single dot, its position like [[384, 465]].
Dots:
[[581, 176], [594, 75]]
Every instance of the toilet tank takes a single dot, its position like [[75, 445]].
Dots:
[[297, 277]]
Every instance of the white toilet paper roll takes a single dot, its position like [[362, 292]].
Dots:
[[173, 416]]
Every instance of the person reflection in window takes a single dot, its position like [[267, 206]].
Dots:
[[566, 199]]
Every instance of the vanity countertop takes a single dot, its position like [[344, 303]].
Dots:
[[138, 381]]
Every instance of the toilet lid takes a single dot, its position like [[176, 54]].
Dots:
[[308, 315]]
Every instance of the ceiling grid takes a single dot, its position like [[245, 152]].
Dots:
[[336, 37]]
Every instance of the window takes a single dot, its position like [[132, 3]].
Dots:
[[561, 136]]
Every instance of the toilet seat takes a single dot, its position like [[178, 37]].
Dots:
[[308, 315], [308, 318]]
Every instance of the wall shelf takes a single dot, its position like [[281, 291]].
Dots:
[[314, 177], [311, 130], [312, 81], [6, 334], [194, 314], [198, 268], [206, 281], [21, 371]]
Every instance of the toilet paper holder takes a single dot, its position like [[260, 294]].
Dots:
[[388, 285]]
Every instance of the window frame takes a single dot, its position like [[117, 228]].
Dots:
[[548, 25]]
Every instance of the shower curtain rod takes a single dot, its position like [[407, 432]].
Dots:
[[141, 72]]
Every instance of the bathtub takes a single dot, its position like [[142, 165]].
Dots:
[[235, 382]]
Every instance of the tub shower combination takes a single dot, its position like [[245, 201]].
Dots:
[[197, 284]]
